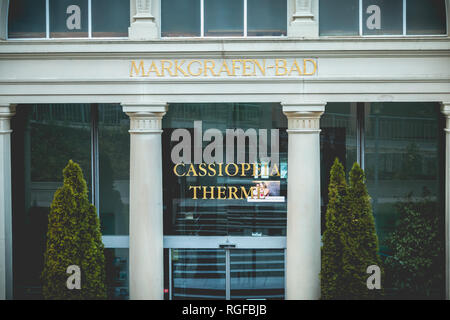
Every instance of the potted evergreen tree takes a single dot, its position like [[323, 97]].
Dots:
[[350, 243], [73, 239], [359, 238], [330, 279]]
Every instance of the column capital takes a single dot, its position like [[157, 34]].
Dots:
[[303, 117], [7, 111], [145, 118], [445, 109]]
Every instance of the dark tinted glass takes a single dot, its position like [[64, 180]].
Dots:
[[337, 140], [230, 213], [198, 274], [266, 17], [338, 17], [110, 18], [68, 18], [180, 18], [114, 169], [224, 18], [257, 274], [26, 19], [425, 17], [44, 139], [382, 17], [117, 273]]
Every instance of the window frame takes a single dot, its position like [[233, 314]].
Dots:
[[245, 25], [47, 27], [404, 26]]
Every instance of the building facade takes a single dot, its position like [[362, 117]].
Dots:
[[150, 96]]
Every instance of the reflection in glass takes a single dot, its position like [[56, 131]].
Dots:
[[26, 19], [337, 139], [388, 17], [44, 139], [266, 17], [114, 168], [117, 274], [426, 17], [338, 17], [68, 18], [198, 274], [257, 274], [180, 18], [401, 156], [224, 18], [110, 18], [184, 215]]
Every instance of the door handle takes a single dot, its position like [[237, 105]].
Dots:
[[227, 245]]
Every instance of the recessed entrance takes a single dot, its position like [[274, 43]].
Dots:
[[220, 246]]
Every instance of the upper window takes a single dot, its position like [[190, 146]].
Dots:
[[217, 18], [382, 17], [68, 18]]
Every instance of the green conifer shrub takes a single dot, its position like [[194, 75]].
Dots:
[[359, 239], [330, 275], [73, 238]]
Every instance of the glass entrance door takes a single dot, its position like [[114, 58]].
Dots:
[[225, 268], [225, 189], [256, 274]]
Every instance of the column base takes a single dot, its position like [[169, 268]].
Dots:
[[303, 29], [143, 30]]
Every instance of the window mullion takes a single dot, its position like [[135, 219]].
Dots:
[[404, 17], [245, 18], [94, 158], [360, 137], [89, 18], [47, 19], [202, 18], [360, 17]]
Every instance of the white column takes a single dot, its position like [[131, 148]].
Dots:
[[303, 216], [144, 25], [304, 19], [446, 111], [6, 280], [146, 207]]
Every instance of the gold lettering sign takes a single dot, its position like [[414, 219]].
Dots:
[[223, 68]]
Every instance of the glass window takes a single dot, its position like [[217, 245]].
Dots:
[[114, 169], [180, 18], [68, 18], [402, 164], [198, 274], [232, 213], [337, 140], [266, 17], [26, 19], [110, 18], [382, 17], [339, 17], [117, 274], [425, 17], [257, 274], [401, 156], [224, 18], [44, 139]]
